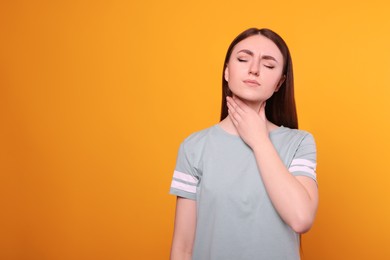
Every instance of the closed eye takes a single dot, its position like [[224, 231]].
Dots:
[[269, 66], [242, 60]]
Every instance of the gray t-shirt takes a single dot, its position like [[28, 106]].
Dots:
[[235, 217]]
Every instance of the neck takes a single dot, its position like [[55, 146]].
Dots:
[[229, 127], [255, 105]]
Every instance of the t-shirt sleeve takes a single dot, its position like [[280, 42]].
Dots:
[[185, 180], [305, 159]]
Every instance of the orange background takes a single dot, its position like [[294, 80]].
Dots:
[[96, 96]]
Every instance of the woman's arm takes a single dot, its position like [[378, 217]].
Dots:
[[295, 198], [184, 232]]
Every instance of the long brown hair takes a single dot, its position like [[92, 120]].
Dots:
[[280, 109]]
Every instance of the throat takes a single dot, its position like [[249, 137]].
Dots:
[[228, 126]]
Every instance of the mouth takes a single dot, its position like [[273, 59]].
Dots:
[[251, 82]]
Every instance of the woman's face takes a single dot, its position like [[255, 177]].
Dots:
[[254, 70]]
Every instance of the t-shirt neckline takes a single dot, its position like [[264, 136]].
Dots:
[[273, 132]]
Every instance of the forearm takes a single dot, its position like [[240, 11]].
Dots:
[[289, 197], [181, 247], [184, 232]]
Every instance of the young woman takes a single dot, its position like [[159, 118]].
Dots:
[[246, 187]]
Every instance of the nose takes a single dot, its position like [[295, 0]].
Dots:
[[254, 69]]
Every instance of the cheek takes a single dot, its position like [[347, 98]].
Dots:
[[235, 75], [274, 79]]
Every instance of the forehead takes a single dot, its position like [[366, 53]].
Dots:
[[259, 45]]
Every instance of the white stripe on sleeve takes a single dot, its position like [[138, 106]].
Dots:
[[303, 162], [302, 169], [183, 186], [185, 177]]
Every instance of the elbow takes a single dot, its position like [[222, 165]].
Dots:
[[301, 228], [302, 224]]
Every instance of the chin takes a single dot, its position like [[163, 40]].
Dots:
[[251, 98]]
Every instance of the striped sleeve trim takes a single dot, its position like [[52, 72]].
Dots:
[[303, 165], [183, 186], [303, 162], [184, 182], [184, 177]]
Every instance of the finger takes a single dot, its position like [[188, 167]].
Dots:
[[238, 105], [235, 123], [233, 112], [231, 104], [244, 107], [230, 101], [230, 107]]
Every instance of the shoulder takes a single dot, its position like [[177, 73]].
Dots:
[[285, 136], [285, 132], [198, 137], [197, 140]]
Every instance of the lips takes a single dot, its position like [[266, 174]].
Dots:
[[252, 82]]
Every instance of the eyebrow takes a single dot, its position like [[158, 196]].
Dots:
[[266, 57]]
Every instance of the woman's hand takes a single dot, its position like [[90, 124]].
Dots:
[[251, 125]]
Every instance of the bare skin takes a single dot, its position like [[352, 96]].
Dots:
[[184, 233]]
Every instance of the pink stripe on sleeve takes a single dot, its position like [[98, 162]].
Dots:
[[303, 162], [302, 169], [183, 186], [185, 177]]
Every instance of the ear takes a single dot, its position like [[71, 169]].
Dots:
[[226, 74], [281, 81]]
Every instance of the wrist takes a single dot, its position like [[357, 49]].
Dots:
[[263, 143]]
